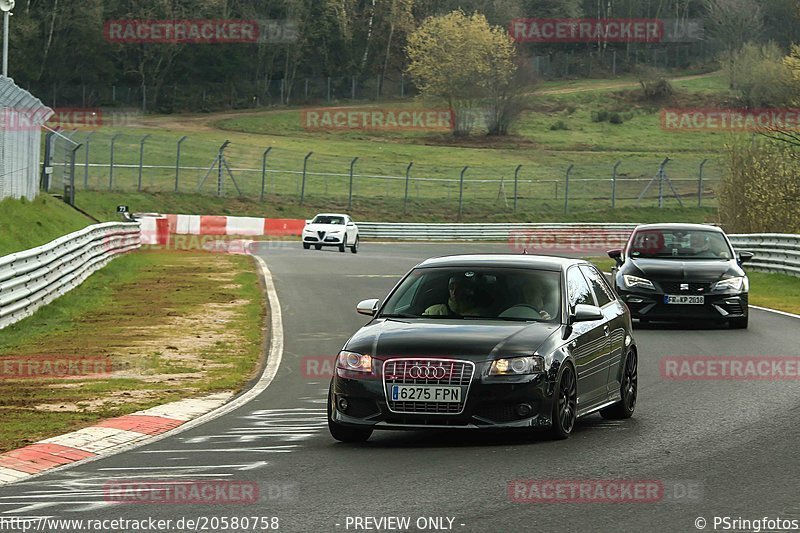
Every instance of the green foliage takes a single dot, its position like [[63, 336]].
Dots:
[[760, 190], [761, 75], [559, 125]]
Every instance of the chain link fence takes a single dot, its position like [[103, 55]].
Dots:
[[167, 163]]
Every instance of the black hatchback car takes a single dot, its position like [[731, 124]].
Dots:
[[487, 341], [682, 271]]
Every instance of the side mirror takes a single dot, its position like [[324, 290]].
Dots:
[[587, 313], [616, 255], [368, 307], [350, 224], [744, 257], [308, 221]]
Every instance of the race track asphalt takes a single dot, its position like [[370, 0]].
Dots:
[[733, 445]]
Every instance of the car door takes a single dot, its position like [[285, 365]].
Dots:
[[614, 314], [352, 231], [588, 343]]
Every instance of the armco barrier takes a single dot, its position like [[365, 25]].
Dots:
[[774, 252], [35, 277]]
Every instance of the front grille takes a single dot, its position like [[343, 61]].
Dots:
[[674, 287], [449, 372], [321, 235]]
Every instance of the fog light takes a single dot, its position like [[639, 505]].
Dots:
[[342, 404], [524, 410]]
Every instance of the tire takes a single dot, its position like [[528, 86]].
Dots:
[[565, 403], [306, 246], [318, 247], [343, 245], [354, 248], [738, 323], [629, 389], [345, 433]]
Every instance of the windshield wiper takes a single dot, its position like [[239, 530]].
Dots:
[[398, 315]]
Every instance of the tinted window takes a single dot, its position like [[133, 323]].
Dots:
[[602, 291], [578, 289], [679, 244], [328, 220]]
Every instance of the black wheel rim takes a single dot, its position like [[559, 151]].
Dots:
[[630, 382], [567, 401]]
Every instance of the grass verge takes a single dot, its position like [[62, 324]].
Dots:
[[25, 224], [169, 325]]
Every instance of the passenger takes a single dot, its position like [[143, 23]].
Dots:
[[462, 300]]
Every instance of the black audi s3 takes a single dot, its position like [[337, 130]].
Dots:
[[682, 271], [487, 341]]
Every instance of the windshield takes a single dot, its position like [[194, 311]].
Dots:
[[679, 244], [327, 219], [464, 293]]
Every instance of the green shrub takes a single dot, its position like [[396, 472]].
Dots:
[[559, 125], [615, 118]]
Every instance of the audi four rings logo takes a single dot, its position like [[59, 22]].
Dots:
[[427, 372]]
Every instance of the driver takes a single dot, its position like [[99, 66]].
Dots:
[[700, 245], [535, 292], [462, 299]]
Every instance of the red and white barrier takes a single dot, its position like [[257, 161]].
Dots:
[[153, 230]]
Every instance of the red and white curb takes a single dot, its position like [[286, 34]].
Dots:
[[104, 437], [152, 233]]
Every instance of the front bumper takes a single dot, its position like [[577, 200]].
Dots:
[[490, 402], [650, 305], [326, 240]]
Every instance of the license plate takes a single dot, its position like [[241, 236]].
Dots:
[[425, 393], [684, 299]]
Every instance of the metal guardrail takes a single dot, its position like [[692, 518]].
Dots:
[[482, 232], [35, 277], [774, 252]]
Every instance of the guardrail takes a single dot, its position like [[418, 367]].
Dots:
[[485, 232], [774, 252], [35, 277]]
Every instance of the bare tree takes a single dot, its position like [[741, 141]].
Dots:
[[732, 23]]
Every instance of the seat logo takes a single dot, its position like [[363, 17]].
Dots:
[[684, 286], [427, 372]]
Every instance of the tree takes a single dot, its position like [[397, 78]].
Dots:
[[731, 23], [461, 59]]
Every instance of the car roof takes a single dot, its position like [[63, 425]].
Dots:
[[680, 226], [330, 215], [538, 262]]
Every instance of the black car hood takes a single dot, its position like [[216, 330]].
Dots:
[[478, 340], [677, 270]]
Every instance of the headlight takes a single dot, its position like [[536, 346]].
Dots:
[[515, 366], [735, 284], [354, 362], [636, 281], [306, 230]]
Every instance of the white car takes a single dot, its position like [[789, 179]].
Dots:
[[331, 229]]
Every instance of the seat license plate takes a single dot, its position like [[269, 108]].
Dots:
[[684, 299]]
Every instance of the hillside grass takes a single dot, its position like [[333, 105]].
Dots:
[[25, 224]]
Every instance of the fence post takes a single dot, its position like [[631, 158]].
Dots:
[[329, 88], [111, 162], [402, 85], [614, 185], [178, 162], [141, 159], [264, 171], [86, 160], [303, 186], [461, 192], [70, 198], [700, 185], [566, 189], [516, 181], [48, 155], [408, 174], [350, 194], [352, 87]]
